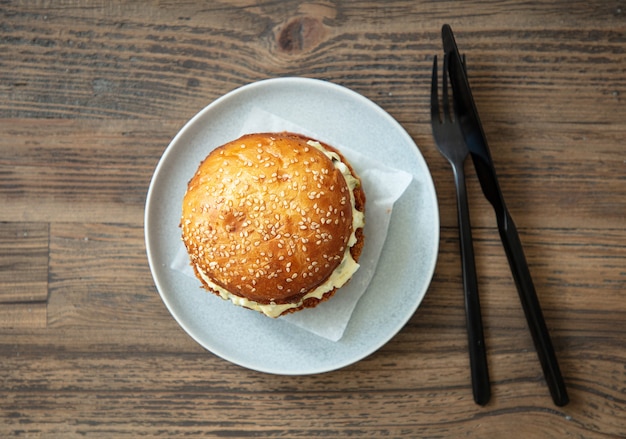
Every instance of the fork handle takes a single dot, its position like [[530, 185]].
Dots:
[[477, 351]]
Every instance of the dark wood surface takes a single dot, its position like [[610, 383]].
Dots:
[[91, 93]]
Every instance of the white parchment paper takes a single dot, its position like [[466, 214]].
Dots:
[[382, 185]]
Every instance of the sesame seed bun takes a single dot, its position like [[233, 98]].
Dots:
[[273, 222]]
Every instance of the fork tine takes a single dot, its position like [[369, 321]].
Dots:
[[434, 98], [446, 98], [446, 114]]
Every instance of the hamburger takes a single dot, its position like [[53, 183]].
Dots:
[[274, 222]]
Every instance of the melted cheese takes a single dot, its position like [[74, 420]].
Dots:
[[338, 278]]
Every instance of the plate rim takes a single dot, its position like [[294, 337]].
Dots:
[[293, 81]]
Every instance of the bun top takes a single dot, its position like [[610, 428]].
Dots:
[[268, 217]]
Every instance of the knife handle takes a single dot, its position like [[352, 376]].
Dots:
[[477, 351], [532, 309]]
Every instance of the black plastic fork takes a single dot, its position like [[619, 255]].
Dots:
[[450, 142]]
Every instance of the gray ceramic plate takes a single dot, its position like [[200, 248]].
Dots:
[[406, 265]]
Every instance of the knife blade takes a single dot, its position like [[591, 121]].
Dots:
[[467, 115]]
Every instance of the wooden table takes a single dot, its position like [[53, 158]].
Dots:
[[92, 93]]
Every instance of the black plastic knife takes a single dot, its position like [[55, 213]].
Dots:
[[467, 115]]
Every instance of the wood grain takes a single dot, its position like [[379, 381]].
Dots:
[[24, 259], [91, 93], [23, 274], [69, 171]]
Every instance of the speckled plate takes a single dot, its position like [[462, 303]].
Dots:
[[405, 267]]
